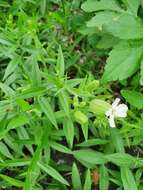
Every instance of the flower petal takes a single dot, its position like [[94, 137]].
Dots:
[[111, 121], [121, 110], [116, 102], [108, 112]]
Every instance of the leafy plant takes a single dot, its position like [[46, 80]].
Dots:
[[122, 30], [56, 113]]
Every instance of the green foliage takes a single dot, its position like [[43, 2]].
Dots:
[[123, 22], [54, 132]]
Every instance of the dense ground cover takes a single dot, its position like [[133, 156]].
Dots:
[[71, 76]]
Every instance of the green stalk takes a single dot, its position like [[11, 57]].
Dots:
[[63, 5]]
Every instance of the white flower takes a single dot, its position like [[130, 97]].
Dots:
[[116, 110]]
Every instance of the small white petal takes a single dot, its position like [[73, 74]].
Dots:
[[116, 102], [111, 121], [108, 112], [121, 110]]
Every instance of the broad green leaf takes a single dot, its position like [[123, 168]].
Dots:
[[89, 157], [128, 179], [104, 178], [68, 128], [126, 26], [141, 73], [94, 5], [132, 6], [99, 20], [60, 147], [122, 56], [107, 41], [12, 181], [60, 63], [76, 181], [53, 173], [88, 182], [133, 97], [47, 109]]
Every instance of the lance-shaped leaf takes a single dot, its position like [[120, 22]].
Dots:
[[60, 63], [47, 109]]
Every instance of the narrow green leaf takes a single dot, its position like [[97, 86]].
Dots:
[[69, 131], [60, 63], [15, 163], [11, 67], [89, 157], [47, 109], [84, 128], [117, 140], [88, 182], [53, 173], [6, 89], [4, 151], [123, 160], [60, 148], [92, 142], [36, 77], [43, 6], [64, 102], [76, 181], [33, 170], [12, 181], [128, 179], [31, 92], [17, 122], [104, 178]]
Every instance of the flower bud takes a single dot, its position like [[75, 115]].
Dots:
[[99, 107], [82, 104], [80, 117], [93, 85], [75, 101]]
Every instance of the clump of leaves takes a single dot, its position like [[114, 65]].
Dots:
[[122, 30], [53, 130]]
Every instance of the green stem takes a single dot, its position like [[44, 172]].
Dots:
[[63, 5]]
